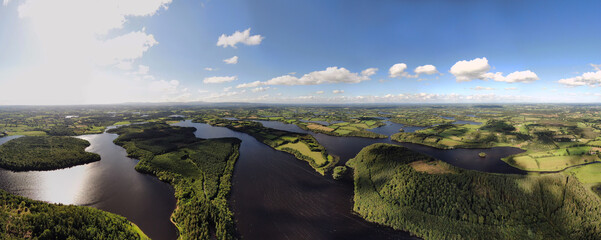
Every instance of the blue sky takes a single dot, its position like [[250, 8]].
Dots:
[[79, 51]]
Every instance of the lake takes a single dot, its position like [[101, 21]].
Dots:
[[274, 195], [111, 184]]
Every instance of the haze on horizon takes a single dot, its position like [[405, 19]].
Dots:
[[114, 51]]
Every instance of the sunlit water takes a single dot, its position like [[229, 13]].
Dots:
[[111, 184]]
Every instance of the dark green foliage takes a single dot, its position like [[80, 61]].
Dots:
[[339, 172], [362, 133], [199, 169], [498, 126], [470, 204], [44, 153], [60, 131], [21, 218]]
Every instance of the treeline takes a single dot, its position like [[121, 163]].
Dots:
[[199, 169], [44, 153], [22, 218], [363, 133], [275, 138], [469, 204]]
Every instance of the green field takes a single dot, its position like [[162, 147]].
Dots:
[[301, 147]]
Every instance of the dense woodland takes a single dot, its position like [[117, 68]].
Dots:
[[44, 153], [22, 218], [199, 169], [444, 202]]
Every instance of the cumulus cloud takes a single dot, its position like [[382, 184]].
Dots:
[[482, 88], [469, 70], [330, 75], [478, 69], [164, 87], [591, 79], [337, 91], [74, 51], [368, 72], [232, 60], [219, 79], [319, 92], [397, 70], [426, 69], [239, 37], [259, 89]]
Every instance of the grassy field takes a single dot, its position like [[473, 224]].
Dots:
[[317, 157], [590, 173]]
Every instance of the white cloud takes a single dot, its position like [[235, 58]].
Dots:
[[511, 88], [469, 70], [210, 69], [397, 70], [478, 69], [319, 92], [426, 69], [330, 75], [5, 2], [368, 72], [259, 89], [232, 60], [143, 70], [73, 52], [220, 79], [514, 77], [251, 84], [227, 89], [597, 67], [164, 87], [591, 79], [482, 88], [337, 91], [239, 37], [126, 47]]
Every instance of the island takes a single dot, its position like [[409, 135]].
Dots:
[[200, 170], [409, 191], [44, 153], [302, 146]]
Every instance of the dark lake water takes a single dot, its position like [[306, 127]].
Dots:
[[348, 147], [276, 196], [111, 184]]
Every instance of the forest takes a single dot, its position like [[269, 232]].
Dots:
[[199, 169], [22, 218], [434, 200], [44, 153]]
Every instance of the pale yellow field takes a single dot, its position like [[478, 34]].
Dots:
[[305, 150], [319, 127]]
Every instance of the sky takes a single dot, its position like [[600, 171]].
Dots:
[[56, 52]]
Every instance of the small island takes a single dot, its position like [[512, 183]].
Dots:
[[482, 154], [32, 153]]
